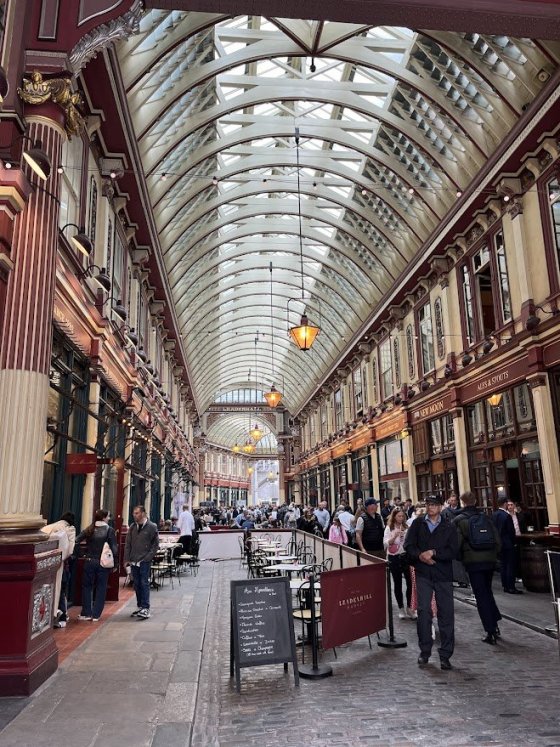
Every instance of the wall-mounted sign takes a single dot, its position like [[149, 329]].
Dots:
[[432, 409], [81, 464], [498, 378]]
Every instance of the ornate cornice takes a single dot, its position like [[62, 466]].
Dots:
[[104, 35]]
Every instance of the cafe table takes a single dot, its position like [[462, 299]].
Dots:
[[281, 558], [296, 583], [288, 568]]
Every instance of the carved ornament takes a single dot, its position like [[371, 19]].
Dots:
[[37, 90]]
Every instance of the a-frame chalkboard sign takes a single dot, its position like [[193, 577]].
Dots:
[[262, 628]]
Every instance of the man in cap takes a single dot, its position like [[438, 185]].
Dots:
[[432, 544], [370, 529]]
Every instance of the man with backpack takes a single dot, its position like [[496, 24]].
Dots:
[[479, 545]]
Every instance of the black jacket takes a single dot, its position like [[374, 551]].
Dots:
[[95, 542], [443, 540], [475, 560], [505, 527]]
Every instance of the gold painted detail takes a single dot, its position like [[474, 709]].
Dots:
[[37, 90]]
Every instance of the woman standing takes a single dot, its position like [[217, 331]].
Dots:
[[393, 542], [337, 533], [95, 577]]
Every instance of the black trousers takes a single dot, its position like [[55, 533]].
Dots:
[[507, 567], [399, 568], [185, 540], [481, 583], [425, 587]]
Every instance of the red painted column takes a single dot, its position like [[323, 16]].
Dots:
[[28, 563]]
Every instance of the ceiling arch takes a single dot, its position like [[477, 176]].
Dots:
[[393, 124], [228, 430]]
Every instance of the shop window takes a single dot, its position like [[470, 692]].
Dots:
[[442, 435], [117, 277], [426, 332], [468, 305], [92, 210], [357, 386], [338, 411], [554, 201], [397, 364], [386, 369], [440, 333], [486, 291], [410, 351], [476, 426], [374, 387], [500, 417], [524, 409], [70, 181]]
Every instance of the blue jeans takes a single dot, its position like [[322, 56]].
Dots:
[[141, 580], [94, 583]]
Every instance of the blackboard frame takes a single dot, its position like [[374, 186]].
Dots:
[[235, 660]]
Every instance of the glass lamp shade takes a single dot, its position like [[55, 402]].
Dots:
[[273, 397], [256, 433], [236, 448], [495, 399], [250, 470], [304, 335], [249, 448]]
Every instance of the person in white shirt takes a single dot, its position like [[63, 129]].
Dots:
[[65, 532], [393, 542], [347, 522], [185, 523], [323, 517]]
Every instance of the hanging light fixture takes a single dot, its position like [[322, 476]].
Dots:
[[249, 447], [256, 433], [272, 397], [250, 470], [305, 333], [495, 399], [236, 448]]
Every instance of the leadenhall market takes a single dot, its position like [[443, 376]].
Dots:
[[254, 259]]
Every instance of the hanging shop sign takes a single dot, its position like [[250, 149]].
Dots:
[[432, 409], [498, 378], [81, 464]]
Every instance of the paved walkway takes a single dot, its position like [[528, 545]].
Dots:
[[165, 682]]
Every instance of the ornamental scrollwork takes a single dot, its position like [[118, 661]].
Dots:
[[38, 90]]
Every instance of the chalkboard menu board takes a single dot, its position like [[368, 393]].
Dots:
[[262, 629]]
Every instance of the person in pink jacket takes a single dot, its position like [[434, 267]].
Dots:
[[337, 533]]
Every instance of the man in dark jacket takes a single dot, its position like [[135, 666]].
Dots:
[[480, 563], [142, 543], [370, 529], [506, 530], [432, 544]]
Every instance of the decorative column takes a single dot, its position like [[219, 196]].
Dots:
[[411, 469], [28, 563], [546, 431], [461, 450], [88, 502], [374, 470]]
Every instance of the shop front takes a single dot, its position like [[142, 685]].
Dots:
[[433, 438], [392, 443], [504, 451]]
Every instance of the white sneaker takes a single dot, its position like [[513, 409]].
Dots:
[[136, 612], [95, 619], [83, 617], [402, 614], [144, 614], [411, 613], [433, 633]]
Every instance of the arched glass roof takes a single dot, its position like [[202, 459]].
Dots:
[[393, 125], [228, 430]]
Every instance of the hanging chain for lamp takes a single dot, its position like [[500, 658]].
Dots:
[[255, 432], [272, 397], [305, 333]]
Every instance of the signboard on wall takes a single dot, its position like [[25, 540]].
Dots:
[[81, 464], [353, 603]]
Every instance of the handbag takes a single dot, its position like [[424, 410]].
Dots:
[[393, 549], [107, 560]]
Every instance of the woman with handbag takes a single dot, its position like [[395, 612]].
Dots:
[[393, 542], [100, 553]]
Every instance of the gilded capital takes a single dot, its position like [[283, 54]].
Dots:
[[37, 90]]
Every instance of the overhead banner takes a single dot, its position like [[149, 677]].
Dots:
[[353, 603]]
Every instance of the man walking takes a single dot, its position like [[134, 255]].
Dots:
[[370, 529], [323, 517], [142, 542], [506, 530], [479, 544], [185, 522], [432, 544]]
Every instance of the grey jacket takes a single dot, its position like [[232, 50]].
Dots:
[[141, 545]]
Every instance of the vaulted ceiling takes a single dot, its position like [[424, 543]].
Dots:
[[393, 125]]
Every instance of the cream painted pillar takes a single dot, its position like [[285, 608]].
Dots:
[[519, 250], [374, 470], [544, 416], [350, 479], [91, 439], [411, 470], [461, 451], [332, 499]]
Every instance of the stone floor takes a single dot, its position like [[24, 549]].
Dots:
[[165, 682]]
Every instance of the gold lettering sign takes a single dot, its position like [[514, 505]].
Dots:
[[492, 382]]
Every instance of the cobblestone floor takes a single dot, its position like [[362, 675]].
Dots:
[[165, 683]]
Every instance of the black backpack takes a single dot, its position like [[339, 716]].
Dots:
[[481, 532]]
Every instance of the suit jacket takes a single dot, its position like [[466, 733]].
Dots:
[[506, 530]]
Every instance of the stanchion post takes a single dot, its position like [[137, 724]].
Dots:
[[391, 642], [316, 670]]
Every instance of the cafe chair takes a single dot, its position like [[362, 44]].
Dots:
[[327, 564], [243, 552], [303, 614]]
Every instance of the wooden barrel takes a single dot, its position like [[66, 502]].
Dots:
[[534, 568]]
